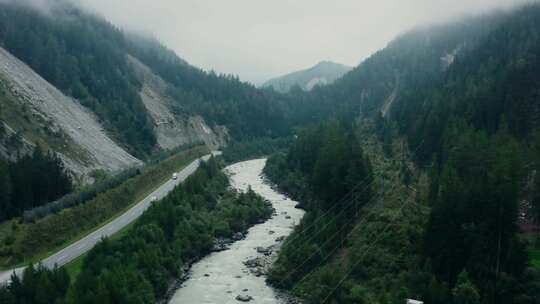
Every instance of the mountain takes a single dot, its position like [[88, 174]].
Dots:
[[103, 99], [448, 116], [325, 72]]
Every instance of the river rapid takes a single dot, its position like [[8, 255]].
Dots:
[[222, 277]]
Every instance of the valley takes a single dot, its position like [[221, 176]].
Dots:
[[130, 175], [239, 271]]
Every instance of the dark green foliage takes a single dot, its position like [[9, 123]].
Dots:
[[323, 168], [473, 224], [221, 99], [85, 57], [493, 81], [38, 286], [79, 197], [175, 231], [50, 232], [330, 161], [408, 65], [257, 147], [30, 182], [465, 292]]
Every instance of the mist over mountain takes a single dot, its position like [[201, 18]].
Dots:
[[323, 73]]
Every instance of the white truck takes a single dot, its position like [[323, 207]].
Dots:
[[174, 176]]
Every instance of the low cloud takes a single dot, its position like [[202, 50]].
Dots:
[[259, 39]]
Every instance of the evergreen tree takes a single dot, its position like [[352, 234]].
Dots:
[[465, 292]]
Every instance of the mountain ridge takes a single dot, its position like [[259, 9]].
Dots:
[[323, 73]]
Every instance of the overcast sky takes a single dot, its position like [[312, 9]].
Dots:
[[260, 39]]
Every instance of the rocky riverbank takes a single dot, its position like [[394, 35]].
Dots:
[[236, 271]]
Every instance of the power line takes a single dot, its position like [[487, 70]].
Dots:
[[343, 227], [348, 204], [373, 199], [337, 202], [360, 259], [335, 205], [337, 247]]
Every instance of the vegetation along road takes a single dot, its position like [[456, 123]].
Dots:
[[82, 246]]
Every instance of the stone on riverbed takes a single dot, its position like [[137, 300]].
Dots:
[[280, 239], [244, 298], [238, 236], [264, 250]]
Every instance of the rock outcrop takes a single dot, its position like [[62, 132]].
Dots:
[[173, 125], [38, 113]]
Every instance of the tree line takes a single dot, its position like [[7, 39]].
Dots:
[[33, 180], [175, 231], [327, 171], [171, 234]]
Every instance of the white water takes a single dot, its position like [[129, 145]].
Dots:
[[221, 276]]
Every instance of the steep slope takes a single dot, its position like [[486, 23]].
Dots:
[[87, 58], [41, 114], [492, 85], [173, 125], [222, 100], [443, 228], [323, 73], [412, 61]]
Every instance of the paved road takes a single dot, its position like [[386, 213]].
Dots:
[[83, 245]]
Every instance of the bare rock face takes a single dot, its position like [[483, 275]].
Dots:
[[173, 127], [59, 122]]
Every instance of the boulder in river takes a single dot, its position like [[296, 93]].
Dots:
[[244, 298], [238, 236], [256, 262], [221, 244], [264, 250]]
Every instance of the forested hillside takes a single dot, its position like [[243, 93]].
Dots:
[[87, 58], [413, 60], [221, 99], [76, 53], [465, 99]]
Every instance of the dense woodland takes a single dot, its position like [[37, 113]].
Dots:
[[38, 285], [31, 181], [472, 124], [221, 99], [466, 250], [327, 171]]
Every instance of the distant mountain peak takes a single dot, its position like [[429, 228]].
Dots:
[[323, 73]]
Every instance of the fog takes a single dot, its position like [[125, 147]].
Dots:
[[258, 39]]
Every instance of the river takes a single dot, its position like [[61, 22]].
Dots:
[[222, 276]]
